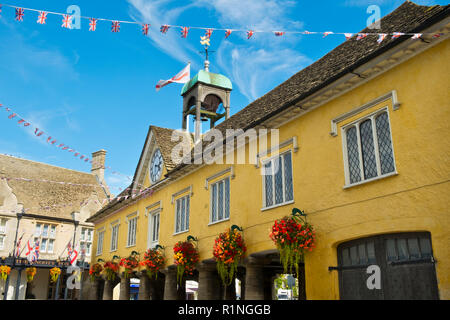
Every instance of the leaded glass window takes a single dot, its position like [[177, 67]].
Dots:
[[278, 183], [220, 200], [182, 214], [369, 151]]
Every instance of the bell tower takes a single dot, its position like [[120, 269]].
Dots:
[[206, 97]]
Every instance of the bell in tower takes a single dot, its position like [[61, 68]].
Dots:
[[206, 97]]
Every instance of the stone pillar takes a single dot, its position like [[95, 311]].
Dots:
[[108, 289], [93, 292], [170, 283], [144, 286], [124, 287], [157, 287], [254, 280], [230, 291], [208, 282]]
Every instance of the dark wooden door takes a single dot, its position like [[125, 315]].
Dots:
[[406, 267]]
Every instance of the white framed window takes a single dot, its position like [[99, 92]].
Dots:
[[368, 150], [2, 232], [277, 180], [182, 214], [46, 235], [100, 238], [153, 227], [220, 200], [114, 236], [132, 228], [86, 240]]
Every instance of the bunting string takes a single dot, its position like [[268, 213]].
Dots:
[[12, 115], [145, 27]]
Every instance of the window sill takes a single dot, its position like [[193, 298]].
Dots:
[[180, 232], [131, 246], [278, 205], [370, 180], [219, 221]]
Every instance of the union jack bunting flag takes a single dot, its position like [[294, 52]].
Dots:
[[438, 35], [115, 27], [19, 14], [0, 8], [416, 36], [381, 37], [249, 34], [227, 33], [145, 28], [208, 33], [348, 35], [306, 32], [361, 36], [279, 33], [396, 35], [184, 32], [67, 21], [164, 28], [92, 24], [42, 17], [327, 33]]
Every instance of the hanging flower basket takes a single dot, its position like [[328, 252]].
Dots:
[[293, 236], [110, 268], [54, 274], [4, 272], [95, 271], [186, 257], [153, 262], [31, 272], [129, 264], [228, 250]]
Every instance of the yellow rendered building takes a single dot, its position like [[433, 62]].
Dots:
[[362, 143]]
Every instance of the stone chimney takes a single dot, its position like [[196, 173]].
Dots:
[[98, 164]]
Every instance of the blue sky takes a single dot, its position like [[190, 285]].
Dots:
[[95, 90]]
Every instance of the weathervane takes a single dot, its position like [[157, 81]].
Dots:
[[205, 41]]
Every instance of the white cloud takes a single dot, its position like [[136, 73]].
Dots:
[[254, 65]]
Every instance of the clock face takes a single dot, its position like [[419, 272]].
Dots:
[[156, 166]]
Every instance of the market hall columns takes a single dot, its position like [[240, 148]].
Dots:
[[170, 285], [108, 288], [124, 286], [144, 285], [254, 279], [208, 282]]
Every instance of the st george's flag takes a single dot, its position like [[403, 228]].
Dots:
[[182, 77]]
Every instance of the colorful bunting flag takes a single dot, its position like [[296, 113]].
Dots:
[[42, 17], [115, 27], [164, 28], [19, 14], [306, 32], [396, 35], [249, 34], [145, 28], [381, 37], [361, 36], [279, 33], [208, 33], [416, 36], [348, 35], [67, 21], [184, 32], [227, 33], [327, 33], [92, 24]]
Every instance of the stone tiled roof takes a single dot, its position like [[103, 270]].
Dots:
[[46, 198], [408, 18]]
